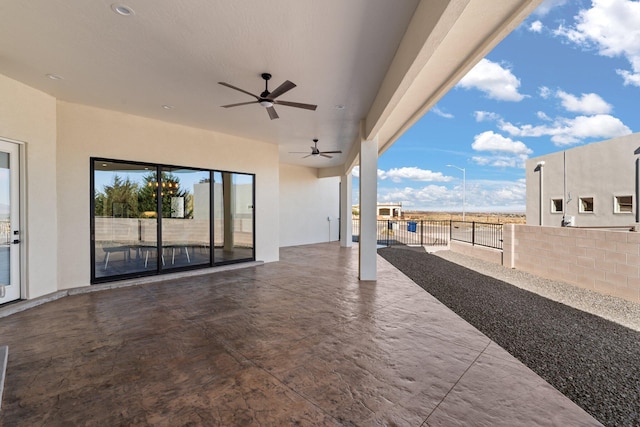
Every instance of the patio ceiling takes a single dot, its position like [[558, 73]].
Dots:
[[371, 66]]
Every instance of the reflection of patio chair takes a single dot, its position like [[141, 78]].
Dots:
[[147, 249], [179, 247], [108, 250]]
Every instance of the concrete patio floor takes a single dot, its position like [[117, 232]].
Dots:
[[297, 342]]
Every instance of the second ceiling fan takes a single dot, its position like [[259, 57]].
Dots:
[[315, 151], [268, 99]]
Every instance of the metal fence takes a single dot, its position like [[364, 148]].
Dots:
[[434, 233], [477, 233], [411, 233]]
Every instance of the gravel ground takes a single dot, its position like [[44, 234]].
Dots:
[[593, 361]]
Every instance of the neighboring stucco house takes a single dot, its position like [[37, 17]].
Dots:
[[594, 185], [389, 210]]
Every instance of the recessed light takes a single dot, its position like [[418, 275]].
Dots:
[[104, 165], [339, 107], [167, 107], [54, 77], [122, 9]]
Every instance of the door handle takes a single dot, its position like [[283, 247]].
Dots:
[[16, 241]]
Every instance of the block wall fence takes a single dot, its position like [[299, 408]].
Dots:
[[604, 261]]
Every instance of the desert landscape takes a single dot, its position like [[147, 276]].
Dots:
[[490, 217]]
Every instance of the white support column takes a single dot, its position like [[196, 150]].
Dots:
[[368, 208], [346, 218]]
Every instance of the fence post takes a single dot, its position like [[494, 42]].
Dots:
[[473, 233], [388, 232]]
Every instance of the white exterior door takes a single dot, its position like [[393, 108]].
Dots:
[[9, 221]]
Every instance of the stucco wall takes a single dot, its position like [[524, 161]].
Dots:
[[29, 116], [603, 261], [85, 132], [306, 202], [600, 170]]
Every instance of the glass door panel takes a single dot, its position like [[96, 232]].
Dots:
[[233, 216], [243, 218], [125, 220], [218, 217], [186, 233], [9, 222]]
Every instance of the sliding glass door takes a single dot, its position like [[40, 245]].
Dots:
[[148, 219]]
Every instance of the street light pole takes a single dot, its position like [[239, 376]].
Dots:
[[464, 187]]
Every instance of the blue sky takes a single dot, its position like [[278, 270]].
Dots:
[[568, 75]]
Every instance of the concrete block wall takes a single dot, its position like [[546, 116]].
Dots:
[[604, 261]]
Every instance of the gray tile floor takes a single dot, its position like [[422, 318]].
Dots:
[[297, 342]]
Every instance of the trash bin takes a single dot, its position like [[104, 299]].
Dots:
[[412, 226]]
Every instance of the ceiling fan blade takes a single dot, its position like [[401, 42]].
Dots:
[[284, 87], [297, 105], [308, 155], [332, 152], [238, 89], [298, 152], [272, 113], [327, 156], [238, 104]]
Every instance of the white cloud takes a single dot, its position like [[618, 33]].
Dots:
[[486, 116], [564, 131], [439, 112], [499, 161], [505, 152], [544, 92], [613, 28], [413, 174], [543, 116], [588, 103], [494, 80], [547, 5], [481, 196], [629, 78], [355, 172], [535, 27], [496, 143], [431, 195]]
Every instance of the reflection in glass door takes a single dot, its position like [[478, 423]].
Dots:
[[233, 195], [149, 219], [9, 221], [125, 220], [185, 198]]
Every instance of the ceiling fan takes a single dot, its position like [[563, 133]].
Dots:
[[316, 152], [268, 99]]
